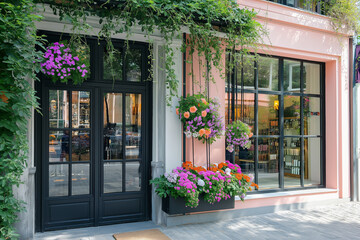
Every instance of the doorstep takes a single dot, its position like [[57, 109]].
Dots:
[[96, 233], [223, 215]]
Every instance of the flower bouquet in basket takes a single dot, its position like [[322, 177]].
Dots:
[[238, 134], [201, 118], [219, 182], [63, 61]]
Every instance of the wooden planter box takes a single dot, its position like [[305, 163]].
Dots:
[[171, 205]]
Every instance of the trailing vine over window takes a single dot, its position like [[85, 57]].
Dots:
[[203, 19]]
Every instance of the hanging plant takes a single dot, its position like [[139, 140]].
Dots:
[[63, 62], [238, 134], [201, 118]]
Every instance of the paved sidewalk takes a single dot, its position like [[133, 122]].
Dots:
[[341, 221]]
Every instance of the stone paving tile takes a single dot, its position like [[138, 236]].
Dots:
[[341, 221]]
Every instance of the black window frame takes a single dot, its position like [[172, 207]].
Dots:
[[232, 87]]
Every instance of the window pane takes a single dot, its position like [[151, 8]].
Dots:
[[268, 69], [133, 126], [80, 179], [291, 76], [268, 163], [58, 109], [133, 65], [112, 177], [245, 109], [292, 154], [113, 66], [268, 114], [59, 146], [80, 146], [80, 109], [133, 176], [58, 180], [245, 158], [312, 161], [248, 66], [311, 116], [291, 115], [311, 78], [113, 114]]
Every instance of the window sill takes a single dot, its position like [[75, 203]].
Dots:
[[288, 193]]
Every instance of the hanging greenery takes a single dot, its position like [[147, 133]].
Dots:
[[203, 19]]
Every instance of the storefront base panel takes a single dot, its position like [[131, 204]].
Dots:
[[242, 210]]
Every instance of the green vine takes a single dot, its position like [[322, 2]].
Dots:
[[203, 19], [17, 98]]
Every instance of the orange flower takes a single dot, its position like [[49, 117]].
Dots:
[[250, 189], [202, 132], [203, 113], [193, 109], [254, 185], [204, 101], [250, 135], [186, 114], [207, 132], [177, 111], [238, 176], [3, 97]]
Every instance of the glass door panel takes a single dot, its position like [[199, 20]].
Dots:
[[120, 172]]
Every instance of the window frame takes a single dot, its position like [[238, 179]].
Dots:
[[233, 89]]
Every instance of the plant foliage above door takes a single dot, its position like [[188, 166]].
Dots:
[[204, 19]]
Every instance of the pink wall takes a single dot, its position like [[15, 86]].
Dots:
[[217, 149], [298, 34]]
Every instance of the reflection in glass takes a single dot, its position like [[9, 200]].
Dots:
[[59, 146], [80, 109], [245, 108], [291, 115], [133, 126], [312, 161], [291, 76], [133, 176], [268, 116], [268, 69], [311, 116], [58, 109], [133, 65], [311, 78], [80, 146], [268, 163], [113, 66], [248, 65], [112, 177], [80, 179], [245, 158], [58, 180], [292, 154], [113, 114]]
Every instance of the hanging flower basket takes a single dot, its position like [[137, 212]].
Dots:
[[201, 118], [191, 187], [63, 62], [238, 134]]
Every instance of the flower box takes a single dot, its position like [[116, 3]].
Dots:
[[172, 206]]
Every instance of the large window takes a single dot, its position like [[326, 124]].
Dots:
[[282, 100]]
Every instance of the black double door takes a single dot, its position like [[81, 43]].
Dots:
[[93, 142], [94, 164]]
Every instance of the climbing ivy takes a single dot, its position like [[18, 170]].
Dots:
[[17, 98]]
